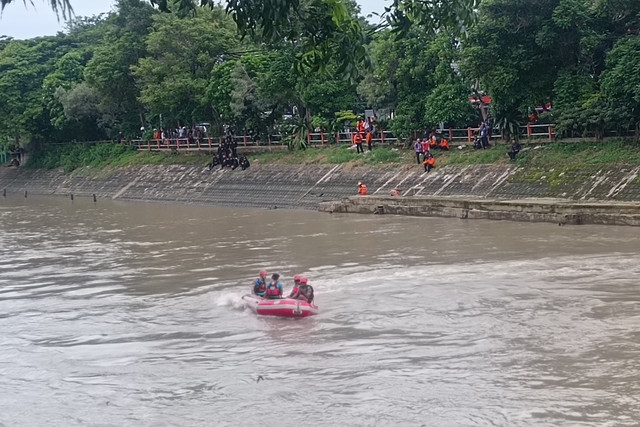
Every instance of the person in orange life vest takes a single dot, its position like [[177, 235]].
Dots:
[[429, 162], [444, 144], [360, 125], [362, 189], [357, 140], [369, 139], [274, 289], [296, 283], [433, 141], [305, 291], [260, 285]]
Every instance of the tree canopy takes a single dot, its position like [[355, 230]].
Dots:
[[321, 62]]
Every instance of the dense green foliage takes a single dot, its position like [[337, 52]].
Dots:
[[252, 62]]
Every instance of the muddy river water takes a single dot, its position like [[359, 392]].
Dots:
[[116, 313]]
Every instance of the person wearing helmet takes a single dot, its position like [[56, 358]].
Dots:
[[305, 291], [362, 189], [274, 289], [260, 285], [296, 284]]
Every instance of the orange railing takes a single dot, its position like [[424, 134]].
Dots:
[[538, 133]]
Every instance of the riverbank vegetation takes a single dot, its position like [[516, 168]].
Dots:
[[567, 62], [539, 156]]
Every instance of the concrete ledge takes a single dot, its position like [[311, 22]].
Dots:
[[535, 210]]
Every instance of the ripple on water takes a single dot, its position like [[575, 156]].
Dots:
[[122, 323]]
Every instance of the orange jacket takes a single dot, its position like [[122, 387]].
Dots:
[[444, 144], [357, 138], [430, 161], [369, 137], [362, 190], [433, 142]]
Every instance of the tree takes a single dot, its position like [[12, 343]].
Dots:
[[63, 6], [416, 76], [67, 72], [620, 86], [23, 68], [331, 31], [82, 108], [183, 52], [109, 71]]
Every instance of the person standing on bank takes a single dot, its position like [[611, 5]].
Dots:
[[357, 140], [417, 146]]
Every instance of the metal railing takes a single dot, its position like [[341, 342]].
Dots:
[[537, 133]]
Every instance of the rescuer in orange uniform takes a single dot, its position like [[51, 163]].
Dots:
[[362, 189], [429, 162]]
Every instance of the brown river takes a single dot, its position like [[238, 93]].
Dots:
[[130, 314]]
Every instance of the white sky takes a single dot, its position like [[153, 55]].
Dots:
[[24, 22]]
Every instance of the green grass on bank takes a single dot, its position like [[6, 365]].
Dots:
[[536, 156]]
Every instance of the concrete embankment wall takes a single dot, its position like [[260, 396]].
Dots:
[[483, 188]]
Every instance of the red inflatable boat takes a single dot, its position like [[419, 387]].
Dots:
[[284, 307]]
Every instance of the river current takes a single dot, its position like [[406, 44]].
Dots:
[[117, 314]]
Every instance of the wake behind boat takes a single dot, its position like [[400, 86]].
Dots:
[[284, 307]]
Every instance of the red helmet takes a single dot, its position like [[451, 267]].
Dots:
[[263, 272], [296, 278], [304, 280]]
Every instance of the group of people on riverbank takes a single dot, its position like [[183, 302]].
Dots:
[[227, 155], [274, 289], [365, 130], [169, 136], [424, 146]]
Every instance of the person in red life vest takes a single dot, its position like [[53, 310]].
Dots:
[[260, 285], [274, 289], [305, 291], [362, 189], [425, 147], [369, 140], [429, 162], [444, 144], [357, 140], [296, 283], [360, 125]]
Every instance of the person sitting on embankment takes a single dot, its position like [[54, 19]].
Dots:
[[362, 189], [429, 162], [515, 149]]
